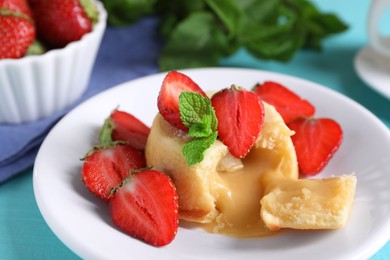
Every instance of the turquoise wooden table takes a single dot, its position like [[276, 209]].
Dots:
[[24, 233]]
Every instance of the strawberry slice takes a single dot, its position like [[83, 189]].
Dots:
[[168, 99], [106, 166], [145, 206], [289, 105], [240, 115], [315, 142], [122, 126]]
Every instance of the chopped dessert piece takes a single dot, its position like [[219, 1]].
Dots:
[[308, 203]]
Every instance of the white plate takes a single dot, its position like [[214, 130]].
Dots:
[[83, 223], [374, 70]]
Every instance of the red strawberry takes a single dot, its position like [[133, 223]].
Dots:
[[168, 99], [106, 167], [287, 103], [240, 115], [60, 22], [145, 206], [122, 126], [315, 142], [17, 32]]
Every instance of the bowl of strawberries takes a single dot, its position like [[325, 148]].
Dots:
[[47, 51]]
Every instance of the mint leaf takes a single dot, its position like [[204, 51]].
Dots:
[[200, 33], [195, 149], [196, 109], [194, 42], [278, 41], [173, 11], [193, 106], [321, 26], [258, 11], [123, 12], [229, 13], [201, 129], [197, 113]]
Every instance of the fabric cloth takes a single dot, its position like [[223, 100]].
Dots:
[[124, 54]]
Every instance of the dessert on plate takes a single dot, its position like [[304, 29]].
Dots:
[[222, 189], [225, 192], [237, 162]]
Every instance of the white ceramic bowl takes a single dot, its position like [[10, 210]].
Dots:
[[34, 87]]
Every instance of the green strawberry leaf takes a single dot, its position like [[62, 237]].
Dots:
[[91, 10], [105, 133], [36, 48]]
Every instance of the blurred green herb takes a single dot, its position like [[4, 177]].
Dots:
[[199, 33]]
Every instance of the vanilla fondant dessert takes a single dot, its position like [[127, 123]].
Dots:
[[243, 194], [221, 189]]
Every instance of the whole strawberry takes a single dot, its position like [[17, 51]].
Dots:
[[17, 31], [60, 22]]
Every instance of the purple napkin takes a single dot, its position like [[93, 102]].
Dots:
[[126, 53]]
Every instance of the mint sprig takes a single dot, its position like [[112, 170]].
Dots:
[[197, 113], [269, 30]]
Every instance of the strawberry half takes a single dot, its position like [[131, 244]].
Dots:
[[145, 206], [168, 99], [315, 142], [240, 115], [289, 105], [122, 126], [107, 166]]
